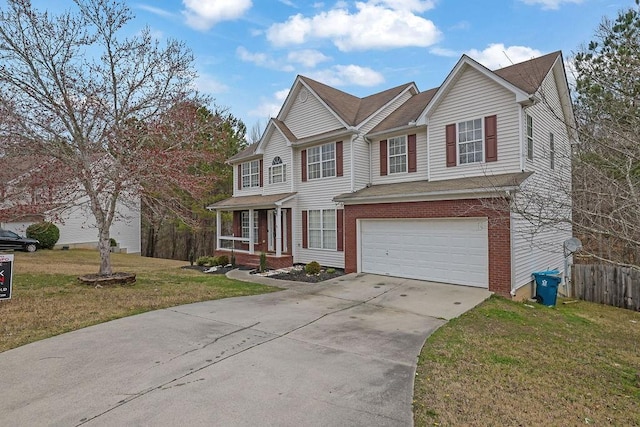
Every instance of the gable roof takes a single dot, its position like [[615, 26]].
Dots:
[[244, 154], [351, 109], [528, 75], [406, 113]]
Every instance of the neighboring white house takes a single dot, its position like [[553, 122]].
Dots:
[[78, 230], [412, 184], [76, 223]]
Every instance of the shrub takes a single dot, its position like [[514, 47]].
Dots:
[[46, 232], [223, 260], [331, 270], [112, 242], [203, 260], [312, 268]]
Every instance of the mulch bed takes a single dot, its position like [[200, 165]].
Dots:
[[297, 275]]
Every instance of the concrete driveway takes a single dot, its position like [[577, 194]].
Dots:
[[339, 353]]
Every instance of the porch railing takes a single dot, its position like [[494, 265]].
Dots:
[[239, 244]]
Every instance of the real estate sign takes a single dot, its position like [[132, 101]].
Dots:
[[6, 274]]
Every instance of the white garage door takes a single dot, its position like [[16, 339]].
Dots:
[[440, 250]]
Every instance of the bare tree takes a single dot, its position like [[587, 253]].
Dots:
[[607, 162], [114, 115]]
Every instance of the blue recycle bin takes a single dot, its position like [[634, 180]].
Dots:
[[547, 286]]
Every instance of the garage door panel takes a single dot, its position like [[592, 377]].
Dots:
[[442, 250]]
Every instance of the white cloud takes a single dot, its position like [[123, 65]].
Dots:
[[270, 107], [288, 3], [498, 56], [307, 57], [262, 60], [204, 14], [441, 51], [550, 4], [342, 75], [155, 10], [376, 24], [206, 83]]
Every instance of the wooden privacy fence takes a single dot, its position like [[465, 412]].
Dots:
[[607, 284]]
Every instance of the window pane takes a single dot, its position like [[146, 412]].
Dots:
[[470, 141], [315, 239], [329, 239], [314, 219], [314, 171], [313, 155], [329, 219], [329, 168]]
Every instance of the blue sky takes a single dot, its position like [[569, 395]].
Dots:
[[248, 52]]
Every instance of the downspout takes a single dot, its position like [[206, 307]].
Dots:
[[368, 141], [352, 163], [521, 137]]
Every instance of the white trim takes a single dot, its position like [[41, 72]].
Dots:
[[482, 130], [288, 102], [371, 116], [432, 195], [321, 161], [406, 155]]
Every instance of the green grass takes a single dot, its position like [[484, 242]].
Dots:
[[508, 363], [48, 300]]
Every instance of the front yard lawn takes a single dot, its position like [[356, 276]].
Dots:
[[511, 364], [48, 300]]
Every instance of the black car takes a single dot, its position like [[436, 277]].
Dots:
[[10, 240]]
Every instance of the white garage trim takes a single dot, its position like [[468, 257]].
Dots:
[[447, 250]]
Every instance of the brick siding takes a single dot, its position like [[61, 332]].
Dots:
[[253, 260], [498, 222]]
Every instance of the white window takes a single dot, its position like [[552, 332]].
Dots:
[[321, 161], [322, 229], [277, 171], [470, 142], [552, 152], [245, 225], [251, 174], [529, 137], [397, 154]]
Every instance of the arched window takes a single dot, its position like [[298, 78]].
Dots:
[[277, 171]]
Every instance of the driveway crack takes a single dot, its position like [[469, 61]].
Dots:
[[167, 384]]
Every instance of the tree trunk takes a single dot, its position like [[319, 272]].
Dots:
[[105, 252]]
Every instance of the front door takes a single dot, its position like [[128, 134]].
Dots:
[[271, 226]]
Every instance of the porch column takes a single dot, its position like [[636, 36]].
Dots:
[[218, 228], [251, 245], [278, 230]]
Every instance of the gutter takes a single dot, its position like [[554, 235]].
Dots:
[[347, 200], [408, 126]]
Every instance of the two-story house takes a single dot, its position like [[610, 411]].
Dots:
[[412, 184]]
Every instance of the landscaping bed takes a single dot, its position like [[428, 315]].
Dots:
[[297, 274]]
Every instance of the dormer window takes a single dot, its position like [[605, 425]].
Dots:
[[277, 171]]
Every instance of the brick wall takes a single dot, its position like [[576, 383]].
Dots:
[[498, 222], [253, 260]]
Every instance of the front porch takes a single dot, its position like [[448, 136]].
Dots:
[[248, 226]]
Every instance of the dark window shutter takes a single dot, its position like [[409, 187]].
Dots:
[[339, 161], [262, 226], [411, 150], [239, 177], [383, 157], [451, 145], [305, 233], [261, 174], [303, 162], [340, 229], [491, 138], [237, 224]]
